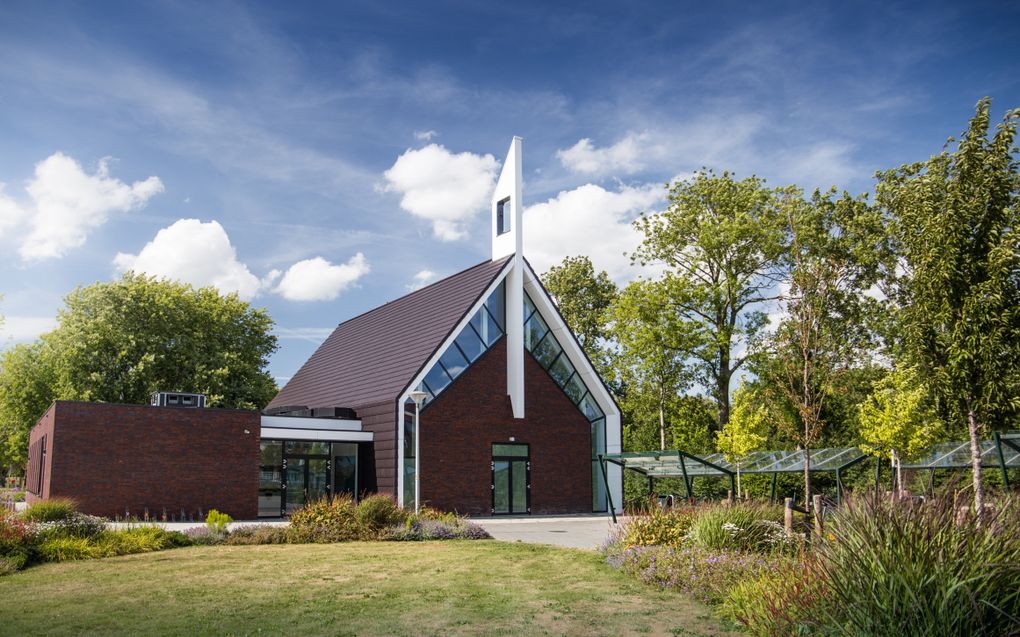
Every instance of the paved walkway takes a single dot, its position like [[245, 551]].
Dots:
[[579, 532]]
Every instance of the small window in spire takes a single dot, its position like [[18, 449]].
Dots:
[[503, 216]]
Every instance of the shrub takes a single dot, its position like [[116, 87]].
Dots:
[[74, 525], [50, 510], [217, 522], [378, 512], [788, 601], [922, 569], [706, 575], [257, 534], [17, 537], [326, 520], [63, 549], [418, 529], [658, 527], [742, 527], [141, 539], [203, 536]]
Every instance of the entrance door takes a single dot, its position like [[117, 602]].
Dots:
[[511, 479], [306, 472]]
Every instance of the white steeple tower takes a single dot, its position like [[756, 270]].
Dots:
[[507, 235]]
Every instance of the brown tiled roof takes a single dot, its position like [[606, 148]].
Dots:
[[372, 357]]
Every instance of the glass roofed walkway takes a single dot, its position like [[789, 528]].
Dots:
[[1002, 452]]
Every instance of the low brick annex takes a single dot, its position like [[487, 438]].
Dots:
[[118, 460]]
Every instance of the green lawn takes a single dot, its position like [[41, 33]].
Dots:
[[370, 588]]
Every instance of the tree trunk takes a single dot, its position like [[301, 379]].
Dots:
[[807, 431], [662, 419], [975, 464], [738, 481], [723, 387], [894, 457], [807, 477]]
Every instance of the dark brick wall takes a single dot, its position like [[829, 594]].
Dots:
[[460, 426], [43, 428], [112, 458]]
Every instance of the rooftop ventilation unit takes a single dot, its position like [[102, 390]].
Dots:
[[177, 399]]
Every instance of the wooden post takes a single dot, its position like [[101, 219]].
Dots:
[[729, 497], [788, 515], [817, 501]]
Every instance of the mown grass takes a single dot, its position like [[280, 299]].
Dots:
[[365, 588]]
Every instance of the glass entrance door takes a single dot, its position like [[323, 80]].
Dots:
[[511, 479], [306, 471], [345, 468]]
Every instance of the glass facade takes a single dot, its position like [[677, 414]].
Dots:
[[510, 478], [294, 472], [540, 341]]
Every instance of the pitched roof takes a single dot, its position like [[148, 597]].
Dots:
[[372, 357]]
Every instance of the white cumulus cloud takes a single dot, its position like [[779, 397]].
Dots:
[[591, 221], [22, 329], [193, 252], [11, 214], [421, 279], [317, 279], [66, 203], [425, 135], [443, 187], [625, 156]]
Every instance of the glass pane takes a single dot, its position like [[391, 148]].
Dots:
[[496, 305], [270, 490], [409, 434], [271, 453], [295, 484], [519, 475], [486, 327], [590, 408], [529, 307], [547, 351], [598, 489], [453, 361], [534, 330], [561, 369], [501, 486], [307, 447], [318, 479], [409, 484], [575, 388], [345, 468], [516, 451], [436, 379], [470, 344], [598, 437]]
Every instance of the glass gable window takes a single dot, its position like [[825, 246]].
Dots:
[[481, 332], [540, 341]]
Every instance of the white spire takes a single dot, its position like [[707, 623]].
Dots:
[[507, 211]]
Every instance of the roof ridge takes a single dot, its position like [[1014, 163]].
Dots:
[[421, 289]]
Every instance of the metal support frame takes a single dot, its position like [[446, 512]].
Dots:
[[609, 492], [878, 475], [772, 498], [1002, 459], [687, 481], [839, 476]]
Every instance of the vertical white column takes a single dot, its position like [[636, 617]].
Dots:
[[509, 242]]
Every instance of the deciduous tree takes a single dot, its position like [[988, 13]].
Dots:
[[721, 240], [956, 219]]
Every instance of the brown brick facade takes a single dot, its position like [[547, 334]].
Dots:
[[460, 426], [114, 459]]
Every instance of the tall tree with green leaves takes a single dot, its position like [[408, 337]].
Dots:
[[746, 431], [956, 220], [583, 297], [899, 418], [26, 390], [830, 262], [721, 239], [120, 341], [654, 343]]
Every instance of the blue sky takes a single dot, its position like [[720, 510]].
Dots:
[[321, 159]]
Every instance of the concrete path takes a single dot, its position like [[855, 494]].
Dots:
[[579, 532]]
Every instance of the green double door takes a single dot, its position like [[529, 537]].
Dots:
[[511, 479]]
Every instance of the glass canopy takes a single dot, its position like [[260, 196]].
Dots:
[[948, 455]]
